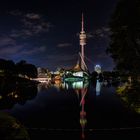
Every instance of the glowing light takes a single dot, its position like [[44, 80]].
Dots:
[[0, 97], [79, 73], [16, 96], [83, 121], [98, 68]]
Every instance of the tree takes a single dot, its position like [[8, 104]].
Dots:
[[20, 67], [7, 67], [125, 37], [30, 70], [26, 69]]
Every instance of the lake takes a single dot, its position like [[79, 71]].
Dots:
[[78, 110]]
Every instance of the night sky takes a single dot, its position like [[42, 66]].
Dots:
[[45, 32]]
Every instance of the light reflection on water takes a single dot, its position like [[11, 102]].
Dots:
[[98, 87], [80, 88], [72, 106]]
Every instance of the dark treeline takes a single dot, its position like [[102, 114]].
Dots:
[[125, 38], [22, 69], [15, 83], [17, 93], [112, 77], [107, 74], [124, 48]]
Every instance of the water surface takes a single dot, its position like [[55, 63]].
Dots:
[[75, 110]]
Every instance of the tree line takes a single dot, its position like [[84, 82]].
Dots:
[[8, 68], [125, 49], [124, 45]]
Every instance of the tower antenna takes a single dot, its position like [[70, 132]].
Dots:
[[82, 30]]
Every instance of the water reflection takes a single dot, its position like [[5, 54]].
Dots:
[[98, 87], [63, 85], [76, 85], [83, 120], [73, 109], [19, 93], [81, 88]]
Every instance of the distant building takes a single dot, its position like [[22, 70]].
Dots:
[[42, 72], [97, 68]]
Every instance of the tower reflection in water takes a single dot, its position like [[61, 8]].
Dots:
[[83, 120], [81, 89]]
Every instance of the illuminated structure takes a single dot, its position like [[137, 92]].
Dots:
[[98, 69], [82, 37], [80, 71]]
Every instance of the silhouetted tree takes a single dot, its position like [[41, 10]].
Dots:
[[30, 70], [125, 37], [26, 69], [7, 67], [20, 67]]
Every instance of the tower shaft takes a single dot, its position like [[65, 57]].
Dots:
[[82, 37]]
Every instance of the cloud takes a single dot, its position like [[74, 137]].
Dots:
[[90, 35], [33, 51], [34, 24], [15, 13], [10, 50], [20, 52], [33, 16], [10, 47], [64, 45], [15, 43], [5, 40], [102, 55], [99, 33], [106, 29], [30, 25]]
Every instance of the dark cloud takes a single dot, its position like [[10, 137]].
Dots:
[[20, 50], [31, 24], [6, 40], [34, 50], [10, 50], [64, 45], [101, 55], [19, 42], [33, 16], [15, 13], [102, 32]]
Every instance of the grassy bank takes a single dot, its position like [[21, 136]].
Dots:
[[11, 129], [130, 94]]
